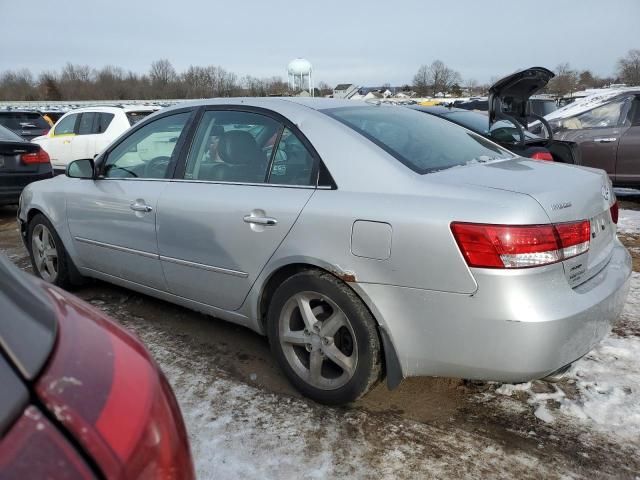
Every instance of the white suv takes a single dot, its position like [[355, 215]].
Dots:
[[85, 132]]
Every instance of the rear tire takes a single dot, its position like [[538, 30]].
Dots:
[[49, 258], [324, 338]]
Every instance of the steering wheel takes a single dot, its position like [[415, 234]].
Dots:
[[156, 167], [544, 122]]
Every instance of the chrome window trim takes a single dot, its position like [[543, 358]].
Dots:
[[155, 256], [246, 184]]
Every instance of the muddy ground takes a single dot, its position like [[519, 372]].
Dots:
[[458, 426]]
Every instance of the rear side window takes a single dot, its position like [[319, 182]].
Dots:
[[292, 163], [135, 117], [232, 146], [85, 127], [104, 120], [422, 142], [23, 121], [66, 125]]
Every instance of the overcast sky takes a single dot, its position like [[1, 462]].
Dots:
[[367, 43]]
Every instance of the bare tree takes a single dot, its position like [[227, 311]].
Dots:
[[565, 81], [629, 68], [435, 78]]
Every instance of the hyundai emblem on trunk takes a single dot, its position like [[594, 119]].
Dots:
[[606, 192]]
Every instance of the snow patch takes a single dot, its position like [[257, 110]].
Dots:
[[629, 221]]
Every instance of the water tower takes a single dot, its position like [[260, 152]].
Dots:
[[299, 72]]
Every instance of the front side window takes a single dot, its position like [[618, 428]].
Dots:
[[423, 143], [148, 152], [232, 146], [604, 116], [66, 125], [85, 127], [292, 163]]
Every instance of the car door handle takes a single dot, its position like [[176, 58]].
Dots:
[[267, 221], [140, 207], [605, 140]]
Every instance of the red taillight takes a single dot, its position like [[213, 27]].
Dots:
[[614, 212], [546, 156], [520, 246], [103, 386], [34, 448], [37, 157]]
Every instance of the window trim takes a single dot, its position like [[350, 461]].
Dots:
[[101, 161], [281, 119]]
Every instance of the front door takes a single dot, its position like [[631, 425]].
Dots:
[[112, 219], [598, 134], [628, 164], [246, 180], [59, 142]]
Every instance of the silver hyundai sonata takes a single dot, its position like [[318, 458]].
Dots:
[[365, 240]]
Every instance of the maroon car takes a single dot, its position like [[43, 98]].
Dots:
[[606, 127], [80, 398]]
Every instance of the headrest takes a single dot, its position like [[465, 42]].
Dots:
[[216, 131], [237, 147]]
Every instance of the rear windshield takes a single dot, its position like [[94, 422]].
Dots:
[[23, 121], [423, 143], [135, 117], [7, 135]]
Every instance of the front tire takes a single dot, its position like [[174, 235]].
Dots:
[[324, 338], [49, 258]]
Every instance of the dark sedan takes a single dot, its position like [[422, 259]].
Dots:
[[81, 398], [21, 163], [505, 133]]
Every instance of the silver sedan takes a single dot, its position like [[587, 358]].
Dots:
[[365, 240]]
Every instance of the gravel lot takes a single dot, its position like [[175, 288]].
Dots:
[[245, 421]]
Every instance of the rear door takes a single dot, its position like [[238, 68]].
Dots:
[[84, 143], [628, 159], [245, 181], [112, 219]]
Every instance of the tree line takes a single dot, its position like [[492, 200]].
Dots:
[[439, 78], [162, 81]]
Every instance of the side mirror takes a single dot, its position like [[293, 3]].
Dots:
[[82, 168]]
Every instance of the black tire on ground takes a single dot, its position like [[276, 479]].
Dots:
[[67, 273], [368, 367]]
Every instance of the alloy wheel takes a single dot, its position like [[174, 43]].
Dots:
[[44, 252], [318, 340]]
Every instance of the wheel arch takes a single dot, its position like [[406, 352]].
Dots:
[[392, 368]]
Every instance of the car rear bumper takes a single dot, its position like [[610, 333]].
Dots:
[[12, 184], [519, 325]]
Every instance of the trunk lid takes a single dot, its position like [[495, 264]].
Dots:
[[567, 193], [509, 96], [10, 157]]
